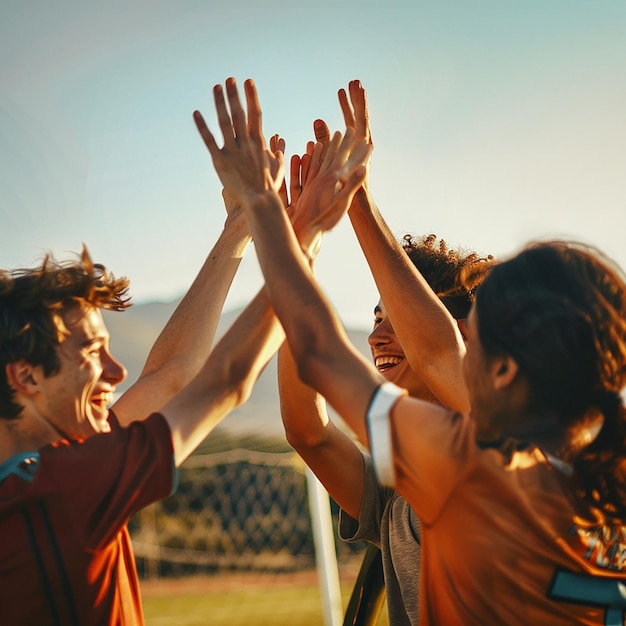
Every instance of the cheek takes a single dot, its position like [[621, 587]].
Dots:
[[408, 379], [470, 373], [83, 375]]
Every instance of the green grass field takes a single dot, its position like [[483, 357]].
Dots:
[[241, 601]]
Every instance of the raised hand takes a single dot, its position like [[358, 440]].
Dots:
[[276, 159], [355, 113], [277, 143], [335, 171], [244, 164], [322, 132]]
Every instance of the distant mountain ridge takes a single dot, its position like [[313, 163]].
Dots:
[[134, 331]]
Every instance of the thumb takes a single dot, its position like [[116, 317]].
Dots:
[[322, 132]]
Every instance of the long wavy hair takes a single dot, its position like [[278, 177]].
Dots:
[[559, 309]]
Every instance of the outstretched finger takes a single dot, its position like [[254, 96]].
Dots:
[[295, 183], [329, 152], [205, 133], [346, 109], [236, 110], [255, 129], [277, 144], [349, 139], [305, 167], [358, 97], [223, 116], [322, 132]]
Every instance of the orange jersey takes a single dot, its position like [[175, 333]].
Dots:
[[501, 541]]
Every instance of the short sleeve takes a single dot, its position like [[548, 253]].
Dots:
[[103, 480]]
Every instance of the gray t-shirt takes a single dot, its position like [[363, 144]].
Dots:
[[387, 521]]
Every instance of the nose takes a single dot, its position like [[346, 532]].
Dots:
[[113, 371], [381, 335]]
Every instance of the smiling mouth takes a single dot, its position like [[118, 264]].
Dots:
[[100, 412], [102, 400], [384, 363]]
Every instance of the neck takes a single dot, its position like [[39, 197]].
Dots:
[[24, 434], [566, 443]]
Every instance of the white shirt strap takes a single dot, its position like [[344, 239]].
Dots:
[[379, 430]]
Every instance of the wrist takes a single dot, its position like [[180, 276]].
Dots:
[[362, 199], [311, 248], [309, 238], [259, 200]]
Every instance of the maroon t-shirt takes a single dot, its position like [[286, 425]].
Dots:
[[65, 552]]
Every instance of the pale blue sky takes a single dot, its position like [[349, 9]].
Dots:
[[494, 122]]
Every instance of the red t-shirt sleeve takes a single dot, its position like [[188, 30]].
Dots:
[[103, 480]]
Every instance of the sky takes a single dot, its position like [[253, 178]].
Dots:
[[494, 123]]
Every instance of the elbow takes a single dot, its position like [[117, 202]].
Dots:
[[299, 440], [233, 381], [313, 435], [240, 382]]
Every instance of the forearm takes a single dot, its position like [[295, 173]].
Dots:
[[330, 453], [188, 335], [302, 409], [227, 377], [326, 360], [185, 342], [429, 335]]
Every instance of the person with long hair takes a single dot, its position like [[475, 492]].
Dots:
[[522, 497]]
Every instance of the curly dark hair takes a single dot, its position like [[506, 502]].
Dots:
[[454, 275], [31, 304], [559, 309]]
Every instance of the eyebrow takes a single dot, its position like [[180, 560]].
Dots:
[[377, 309], [88, 341]]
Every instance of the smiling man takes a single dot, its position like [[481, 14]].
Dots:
[[72, 472], [370, 512], [426, 291]]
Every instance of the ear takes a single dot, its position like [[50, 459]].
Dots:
[[21, 377], [504, 370]]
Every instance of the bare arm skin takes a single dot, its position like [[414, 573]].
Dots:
[[330, 453], [428, 334], [226, 379], [185, 342], [326, 359]]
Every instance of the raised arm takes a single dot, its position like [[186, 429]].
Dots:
[[428, 334], [326, 359], [184, 344], [330, 453], [226, 378]]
